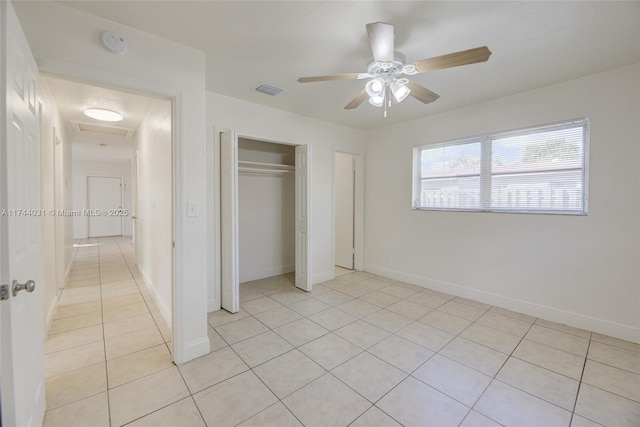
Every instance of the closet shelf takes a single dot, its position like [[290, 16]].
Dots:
[[264, 168]]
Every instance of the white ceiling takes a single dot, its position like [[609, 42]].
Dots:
[[72, 98], [534, 44]]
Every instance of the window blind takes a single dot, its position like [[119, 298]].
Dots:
[[541, 169]]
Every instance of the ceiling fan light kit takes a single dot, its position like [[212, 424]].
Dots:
[[387, 67]]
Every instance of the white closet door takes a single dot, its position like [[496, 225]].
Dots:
[[343, 211], [230, 286], [303, 221], [104, 196]]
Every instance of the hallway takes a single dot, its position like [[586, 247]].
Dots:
[[107, 333]]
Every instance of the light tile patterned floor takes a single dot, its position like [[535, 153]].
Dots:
[[359, 350]]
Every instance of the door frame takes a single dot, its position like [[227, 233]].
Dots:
[[180, 315], [214, 199], [134, 201], [121, 178], [58, 203], [358, 213]]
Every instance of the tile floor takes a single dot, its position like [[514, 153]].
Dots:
[[341, 271], [359, 350], [106, 336]]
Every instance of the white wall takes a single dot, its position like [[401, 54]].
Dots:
[[580, 270], [84, 169], [270, 124], [153, 210], [56, 252], [66, 43], [266, 213]]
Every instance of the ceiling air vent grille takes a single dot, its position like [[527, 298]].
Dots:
[[92, 128], [268, 89]]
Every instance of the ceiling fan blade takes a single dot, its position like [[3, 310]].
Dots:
[[464, 57], [352, 76], [421, 93], [381, 38], [359, 99]]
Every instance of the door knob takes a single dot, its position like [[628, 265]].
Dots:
[[17, 287]]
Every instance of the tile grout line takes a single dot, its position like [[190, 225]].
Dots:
[[104, 338], [494, 378], [414, 321], [423, 363], [366, 350], [584, 365], [489, 309]]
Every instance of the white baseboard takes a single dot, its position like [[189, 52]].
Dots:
[[165, 309], [547, 313], [323, 277], [53, 308], [268, 272], [67, 272]]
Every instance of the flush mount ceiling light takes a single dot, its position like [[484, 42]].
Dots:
[[103, 115], [387, 68]]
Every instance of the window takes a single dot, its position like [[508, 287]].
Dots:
[[535, 170]]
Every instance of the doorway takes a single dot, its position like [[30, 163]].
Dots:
[[104, 200], [344, 211], [126, 299]]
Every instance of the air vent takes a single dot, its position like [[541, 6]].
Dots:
[[91, 128], [268, 89]]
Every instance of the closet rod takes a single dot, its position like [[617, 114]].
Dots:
[[264, 171]]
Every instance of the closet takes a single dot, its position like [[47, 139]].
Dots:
[[266, 209], [264, 213]]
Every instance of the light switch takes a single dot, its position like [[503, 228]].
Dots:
[[193, 209]]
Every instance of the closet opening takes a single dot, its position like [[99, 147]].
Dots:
[[264, 219]]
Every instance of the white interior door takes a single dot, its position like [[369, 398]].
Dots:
[[230, 284], [303, 220], [22, 396], [104, 200], [344, 192]]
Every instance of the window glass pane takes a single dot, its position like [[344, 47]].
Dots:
[[450, 176], [538, 171], [540, 151], [558, 190], [451, 193], [451, 160]]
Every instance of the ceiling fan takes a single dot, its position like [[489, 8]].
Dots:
[[388, 67]]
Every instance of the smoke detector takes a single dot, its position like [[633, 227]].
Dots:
[[114, 42]]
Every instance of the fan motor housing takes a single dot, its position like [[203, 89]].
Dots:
[[387, 70]]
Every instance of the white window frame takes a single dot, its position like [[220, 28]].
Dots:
[[486, 173]]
